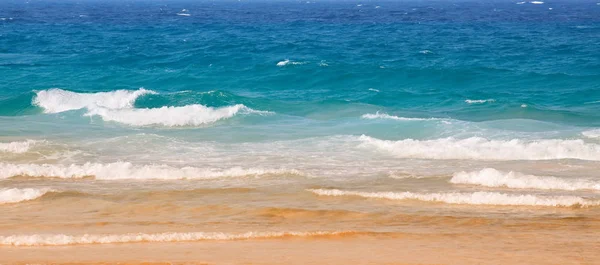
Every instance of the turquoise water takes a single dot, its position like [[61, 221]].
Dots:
[[331, 88]]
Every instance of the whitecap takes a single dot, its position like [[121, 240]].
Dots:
[[288, 62], [478, 101], [126, 170], [18, 147], [468, 198], [57, 100], [425, 52], [536, 2], [373, 89], [382, 115], [189, 115], [595, 133], [14, 195], [490, 177], [477, 148]]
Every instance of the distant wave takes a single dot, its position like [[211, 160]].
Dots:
[[118, 106], [57, 100], [379, 115], [17, 147], [190, 115], [473, 198], [126, 170], [536, 2], [490, 177], [479, 101], [288, 62], [14, 195], [61, 239], [478, 148]]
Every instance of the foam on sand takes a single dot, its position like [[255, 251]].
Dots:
[[126, 170], [474, 198], [61, 239], [189, 115], [490, 177], [477, 148], [57, 100], [14, 195]]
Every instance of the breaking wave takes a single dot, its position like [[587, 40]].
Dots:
[[57, 100], [379, 115], [190, 115], [14, 195], [474, 198], [478, 148], [126, 170], [490, 177], [17, 147]]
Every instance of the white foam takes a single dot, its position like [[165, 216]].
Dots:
[[425, 52], [14, 195], [373, 89], [126, 170], [189, 115], [474, 198], [379, 115], [536, 2], [479, 101], [183, 14], [478, 148], [17, 147], [61, 239], [490, 177], [520, 3], [288, 62], [57, 100], [591, 133]]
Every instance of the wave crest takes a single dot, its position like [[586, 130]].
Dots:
[[57, 100], [17, 147], [190, 115], [14, 195], [126, 170], [379, 115], [490, 177], [474, 198], [479, 101], [478, 148], [591, 133]]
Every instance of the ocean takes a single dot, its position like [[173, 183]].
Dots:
[[193, 121]]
